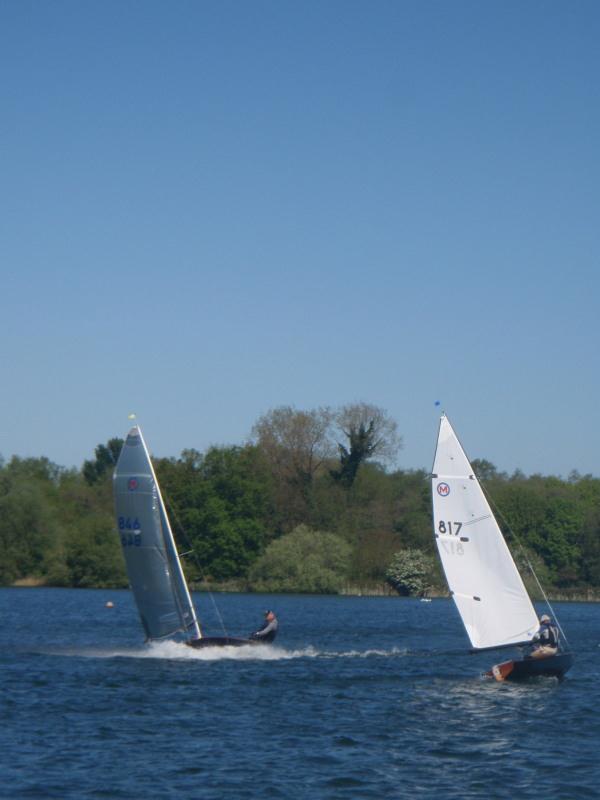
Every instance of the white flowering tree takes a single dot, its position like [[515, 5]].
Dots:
[[410, 572]]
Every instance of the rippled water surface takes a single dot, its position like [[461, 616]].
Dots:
[[360, 698]]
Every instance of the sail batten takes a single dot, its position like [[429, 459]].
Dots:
[[484, 582], [151, 558]]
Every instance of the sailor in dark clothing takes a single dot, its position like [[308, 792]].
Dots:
[[268, 631], [545, 640]]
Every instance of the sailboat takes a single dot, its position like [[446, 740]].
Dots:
[[484, 582], [153, 564]]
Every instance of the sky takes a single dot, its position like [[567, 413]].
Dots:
[[212, 209]]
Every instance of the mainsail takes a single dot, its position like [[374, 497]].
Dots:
[[153, 565], [483, 579]]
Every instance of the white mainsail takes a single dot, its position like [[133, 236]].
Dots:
[[155, 574], [483, 579]]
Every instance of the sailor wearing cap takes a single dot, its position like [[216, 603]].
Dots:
[[545, 640]]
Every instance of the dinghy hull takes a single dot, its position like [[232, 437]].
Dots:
[[222, 641], [552, 666]]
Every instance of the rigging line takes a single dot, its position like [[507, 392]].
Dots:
[[524, 552], [181, 530], [193, 624]]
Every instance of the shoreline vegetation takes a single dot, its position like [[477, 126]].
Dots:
[[379, 590], [310, 504]]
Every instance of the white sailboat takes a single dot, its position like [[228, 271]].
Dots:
[[484, 581], [153, 565]]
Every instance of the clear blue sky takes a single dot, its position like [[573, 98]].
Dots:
[[209, 209]]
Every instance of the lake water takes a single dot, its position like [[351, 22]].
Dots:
[[361, 697]]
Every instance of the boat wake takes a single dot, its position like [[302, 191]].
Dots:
[[395, 652], [178, 651]]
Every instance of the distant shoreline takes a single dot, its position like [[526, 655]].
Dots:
[[378, 590]]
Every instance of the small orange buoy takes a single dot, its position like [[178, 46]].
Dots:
[[109, 604]]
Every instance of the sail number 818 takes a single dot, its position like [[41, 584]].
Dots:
[[449, 528]]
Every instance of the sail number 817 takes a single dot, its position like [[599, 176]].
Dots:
[[449, 528]]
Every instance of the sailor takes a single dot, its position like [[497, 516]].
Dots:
[[545, 640], [268, 630]]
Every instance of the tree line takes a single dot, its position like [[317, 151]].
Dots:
[[311, 502]]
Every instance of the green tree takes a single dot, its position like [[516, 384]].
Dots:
[[91, 557], [87, 551], [218, 505], [589, 545], [485, 470], [28, 518], [106, 459], [412, 510], [302, 561], [543, 515], [296, 445]]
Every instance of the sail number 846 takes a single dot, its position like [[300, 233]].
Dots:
[[131, 535]]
